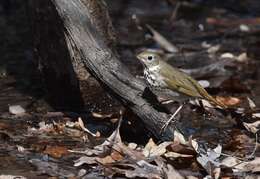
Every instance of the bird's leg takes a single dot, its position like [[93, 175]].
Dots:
[[168, 122]]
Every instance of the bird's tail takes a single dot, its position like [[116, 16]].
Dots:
[[216, 102]]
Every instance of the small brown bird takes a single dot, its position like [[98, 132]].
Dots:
[[160, 76]]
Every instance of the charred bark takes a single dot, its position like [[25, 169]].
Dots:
[[55, 61], [88, 32]]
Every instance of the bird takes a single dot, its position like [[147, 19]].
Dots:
[[162, 76]]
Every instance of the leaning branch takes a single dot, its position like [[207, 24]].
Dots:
[[105, 66]]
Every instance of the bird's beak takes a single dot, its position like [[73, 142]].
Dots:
[[140, 57]]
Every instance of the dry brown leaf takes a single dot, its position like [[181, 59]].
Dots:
[[105, 160], [181, 149], [160, 149], [116, 156], [56, 151], [176, 155], [228, 101], [4, 126], [152, 150]]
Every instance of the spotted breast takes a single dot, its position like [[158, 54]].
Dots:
[[153, 77]]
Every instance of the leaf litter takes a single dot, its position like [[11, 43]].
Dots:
[[49, 144]]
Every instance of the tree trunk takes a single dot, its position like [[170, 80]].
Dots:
[[86, 43]]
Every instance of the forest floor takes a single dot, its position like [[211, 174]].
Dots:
[[218, 43]]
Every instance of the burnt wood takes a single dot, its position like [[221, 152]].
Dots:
[[83, 31]]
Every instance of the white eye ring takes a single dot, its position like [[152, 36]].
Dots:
[[150, 57]]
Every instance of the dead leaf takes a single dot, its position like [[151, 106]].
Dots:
[[11, 177], [16, 109], [105, 160], [209, 160], [194, 144], [238, 165], [145, 170], [81, 124], [213, 49], [181, 149], [152, 150], [46, 127], [160, 149], [132, 145], [228, 101], [4, 126], [85, 160], [256, 115], [252, 127], [116, 156], [251, 103], [51, 168], [102, 116], [172, 173], [106, 146], [191, 177], [56, 151], [227, 55], [242, 57], [244, 28], [148, 147], [20, 148], [177, 155], [179, 138]]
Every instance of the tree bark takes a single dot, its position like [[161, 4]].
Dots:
[[87, 30], [55, 57]]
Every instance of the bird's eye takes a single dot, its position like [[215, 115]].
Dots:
[[150, 57]]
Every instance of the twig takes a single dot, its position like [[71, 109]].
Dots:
[[162, 41], [174, 13]]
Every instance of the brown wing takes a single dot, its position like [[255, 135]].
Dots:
[[179, 81], [183, 83]]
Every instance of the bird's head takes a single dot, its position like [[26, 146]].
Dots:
[[149, 59]]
